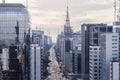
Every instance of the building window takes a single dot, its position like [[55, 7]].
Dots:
[[114, 43], [95, 63], [102, 29], [114, 47], [114, 39], [114, 36], [95, 70], [90, 48], [95, 74], [95, 35], [95, 55], [95, 59], [95, 52], [95, 41], [95, 48], [114, 50], [95, 78], [109, 29], [95, 67]]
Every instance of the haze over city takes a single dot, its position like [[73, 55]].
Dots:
[[49, 15], [59, 40]]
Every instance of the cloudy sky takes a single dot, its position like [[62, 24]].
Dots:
[[49, 15]]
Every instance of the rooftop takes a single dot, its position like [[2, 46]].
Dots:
[[12, 5]]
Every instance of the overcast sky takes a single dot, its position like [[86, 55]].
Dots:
[[49, 15]]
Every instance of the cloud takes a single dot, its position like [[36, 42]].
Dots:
[[50, 14]]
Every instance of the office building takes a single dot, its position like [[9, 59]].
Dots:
[[90, 37], [67, 27], [65, 46], [38, 37], [14, 29], [12, 15], [94, 63], [115, 70], [116, 25], [76, 55], [5, 59], [10, 66], [35, 62], [60, 47], [44, 42], [109, 51], [47, 45]]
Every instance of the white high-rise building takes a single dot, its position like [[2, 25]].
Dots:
[[109, 51], [115, 70], [35, 62], [94, 63], [5, 59]]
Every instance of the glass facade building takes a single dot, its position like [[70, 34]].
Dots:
[[10, 14]]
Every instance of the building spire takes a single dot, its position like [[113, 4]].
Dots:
[[67, 16], [118, 16], [67, 28]]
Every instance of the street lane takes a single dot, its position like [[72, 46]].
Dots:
[[54, 69]]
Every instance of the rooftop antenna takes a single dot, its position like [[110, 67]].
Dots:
[[117, 10], [114, 10], [67, 16], [118, 16], [58, 31], [3, 1]]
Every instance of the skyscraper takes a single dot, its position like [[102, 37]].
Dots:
[[94, 63], [67, 27], [38, 37], [109, 51], [64, 46], [91, 37], [14, 25], [35, 62], [76, 55], [11, 15], [115, 70]]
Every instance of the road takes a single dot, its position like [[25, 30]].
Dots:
[[54, 70]]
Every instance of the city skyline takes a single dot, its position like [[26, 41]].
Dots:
[[59, 40], [86, 11]]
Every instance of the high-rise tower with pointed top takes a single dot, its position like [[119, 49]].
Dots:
[[67, 27]]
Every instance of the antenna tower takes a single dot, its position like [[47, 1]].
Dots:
[[116, 10]]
